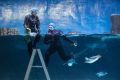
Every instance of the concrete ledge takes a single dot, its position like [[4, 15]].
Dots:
[[8, 31]]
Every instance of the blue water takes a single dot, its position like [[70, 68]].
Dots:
[[14, 59]]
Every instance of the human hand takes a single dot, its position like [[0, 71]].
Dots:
[[75, 44], [28, 30]]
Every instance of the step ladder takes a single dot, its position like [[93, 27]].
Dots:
[[30, 65]]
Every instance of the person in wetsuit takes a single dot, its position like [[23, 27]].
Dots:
[[31, 25], [52, 38]]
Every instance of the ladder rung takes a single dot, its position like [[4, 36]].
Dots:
[[35, 51], [37, 66]]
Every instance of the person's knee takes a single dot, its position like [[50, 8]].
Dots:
[[30, 43], [47, 55], [38, 36]]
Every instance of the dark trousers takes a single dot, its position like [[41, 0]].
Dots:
[[32, 44], [52, 49]]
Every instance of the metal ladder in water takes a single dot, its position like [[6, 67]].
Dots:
[[30, 65]]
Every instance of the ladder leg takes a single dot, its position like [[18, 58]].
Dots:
[[30, 65], [43, 64]]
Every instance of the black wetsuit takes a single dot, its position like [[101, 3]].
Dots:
[[54, 40], [33, 23]]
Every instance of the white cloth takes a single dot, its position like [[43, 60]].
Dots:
[[33, 34]]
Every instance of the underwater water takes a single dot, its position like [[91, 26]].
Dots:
[[14, 59]]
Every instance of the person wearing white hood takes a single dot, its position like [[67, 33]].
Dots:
[[53, 39]]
